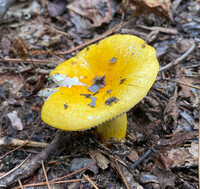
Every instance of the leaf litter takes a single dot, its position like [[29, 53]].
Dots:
[[166, 120]]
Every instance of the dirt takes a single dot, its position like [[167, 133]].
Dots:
[[162, 134]]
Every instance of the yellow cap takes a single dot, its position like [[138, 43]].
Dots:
[[100, 82]]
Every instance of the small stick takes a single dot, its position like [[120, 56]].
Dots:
[[90, 181], [159, 29], [45, 174], [175, 62], [36, 61], [56, 30], [116, 157], [44, 183], [73, 173], [20, 184], [13, 150], [121, 174], [199, 149], [181, 83], [7, 141], [142, 158], [108, 32]]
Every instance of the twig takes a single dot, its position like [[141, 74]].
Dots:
[[27, 168], [175, 62], [44, 183], [80, 170], [90, 181], [121, 174], [20, 184], [45, 174], [7, 141], [104, 147], [159, 29], [116, 157], [199, 150], [181, 83], [108, 32], [142, 158], [13, 150], [36, 61], [58, 31]]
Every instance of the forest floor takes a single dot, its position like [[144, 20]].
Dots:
[[161, 146]]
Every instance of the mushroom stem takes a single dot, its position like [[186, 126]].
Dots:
[[115, 128]]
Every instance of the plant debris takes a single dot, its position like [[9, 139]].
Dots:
[[113, 60], [98, 83], [65, 106], [92, 104], [162, 138]]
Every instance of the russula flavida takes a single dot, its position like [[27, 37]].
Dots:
[[99, 85]]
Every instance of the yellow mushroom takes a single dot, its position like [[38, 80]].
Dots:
[[100, 84]]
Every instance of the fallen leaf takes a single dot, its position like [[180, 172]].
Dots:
[[133, 156], [160, 7], [12, 79], [101, 160], [185, 91], [15, 121], [176, 140], [184, 157], [97, 11], [56, 9], [161, 169], [80, 163], [165, 178], [6, 45], [163, 162]]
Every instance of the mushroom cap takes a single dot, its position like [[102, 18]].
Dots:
[[121, 67]]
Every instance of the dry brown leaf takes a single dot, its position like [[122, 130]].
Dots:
[[161, 169], [160, 7], [165, 178], [133, 156], [12, 79], [171, 109], [21, 48], [163, 162], [97, 11], [101, 160], [185, 90], [184, 156]]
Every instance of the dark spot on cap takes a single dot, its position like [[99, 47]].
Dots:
[[122, 80], [86, 95], [108, 91], [65, 106], [113, 60], [73, 63], [92, 104], [143, 45], [99, 81], [110, 100]]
